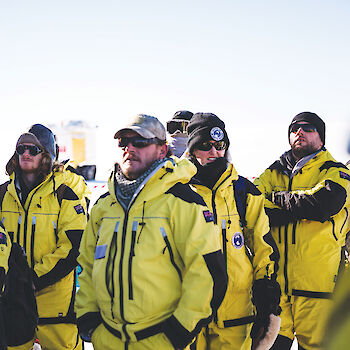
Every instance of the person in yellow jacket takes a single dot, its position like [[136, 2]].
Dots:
[[153, 272], [307, 203], [46, 217], [251, 260]]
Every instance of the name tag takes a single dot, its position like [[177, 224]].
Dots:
[[100, 251]]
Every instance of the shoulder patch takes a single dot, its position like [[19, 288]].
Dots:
[[184, 192], [79, 209], [251, 188], [330, 164], [344, 175], [208, 216]]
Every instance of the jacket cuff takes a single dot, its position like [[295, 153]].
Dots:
[[88, 322], [179, 336]]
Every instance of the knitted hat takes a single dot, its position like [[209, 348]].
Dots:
[[41, 136], [313, 119], [183, 115], [205, 127]]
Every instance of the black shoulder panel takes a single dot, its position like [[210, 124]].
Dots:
[[102, 196], [276, 166], [186, 194], [330, 164], [65, 192], [251, 188]]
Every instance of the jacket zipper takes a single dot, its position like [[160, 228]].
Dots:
[[285, 270], [32, 237], [293, 232], [113, 242], [171, 254], [224, 241], [333, 228], [131, 255], [346, 219]]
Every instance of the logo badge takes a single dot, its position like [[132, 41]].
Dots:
[[208, 216], [238, 240], [216, 134], [79, 209]]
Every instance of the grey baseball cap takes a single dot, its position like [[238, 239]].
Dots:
[[146, 126]]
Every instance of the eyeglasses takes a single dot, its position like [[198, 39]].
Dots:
[[137, 141], [173, 125], [33, 149], [207, 145], [305, 127]]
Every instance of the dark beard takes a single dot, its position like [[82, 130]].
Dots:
[[301, 152]]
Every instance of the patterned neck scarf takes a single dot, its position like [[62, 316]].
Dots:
[[126, 188]]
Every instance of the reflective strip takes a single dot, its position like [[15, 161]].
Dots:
[[223, 224]]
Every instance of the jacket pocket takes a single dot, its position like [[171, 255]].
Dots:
[[131, 256], [171, 254]]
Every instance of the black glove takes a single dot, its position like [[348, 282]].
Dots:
[[266, 298], [87, 324]]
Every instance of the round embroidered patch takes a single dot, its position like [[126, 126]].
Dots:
[[217, 134], [238, 240]]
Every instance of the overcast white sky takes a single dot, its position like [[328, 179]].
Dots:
[[255, 64]]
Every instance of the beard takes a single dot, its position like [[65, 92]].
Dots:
[[300, 152]]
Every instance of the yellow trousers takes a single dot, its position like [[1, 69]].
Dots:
[[230, 338], [305, 319], [55, 337]]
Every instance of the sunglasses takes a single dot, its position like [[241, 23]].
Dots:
[[33, 149], [305, 127], [207, 145], [173, 125], [137, 141]]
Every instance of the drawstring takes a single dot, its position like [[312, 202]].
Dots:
[[142, 223], [228, 213]]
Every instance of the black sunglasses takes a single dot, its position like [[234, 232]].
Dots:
[[137, 141], [207, 145], [173, 125], [33, 149], [306, 127]]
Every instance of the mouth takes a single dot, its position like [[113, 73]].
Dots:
[[211, 159]]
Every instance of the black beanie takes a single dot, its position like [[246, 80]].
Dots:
[[183, 115], [313, 119], [205, 127]]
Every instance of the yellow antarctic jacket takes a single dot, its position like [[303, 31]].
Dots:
[[49, 227], [308, 208], [157, 264], [248, 252]]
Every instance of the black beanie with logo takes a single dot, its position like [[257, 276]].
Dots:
[[205, 127], [311, 118]]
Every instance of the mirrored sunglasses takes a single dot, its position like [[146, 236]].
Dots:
[[207, 145], [33, 149], [305, 127], [137, 141], [176, 125]]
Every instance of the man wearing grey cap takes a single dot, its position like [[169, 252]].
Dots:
[[46, 215], [308, 205], [153, 272]]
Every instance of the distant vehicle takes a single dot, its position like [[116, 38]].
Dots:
[[76, 140]]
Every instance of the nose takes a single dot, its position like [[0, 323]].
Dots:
[[213, 150], [300, 131]]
